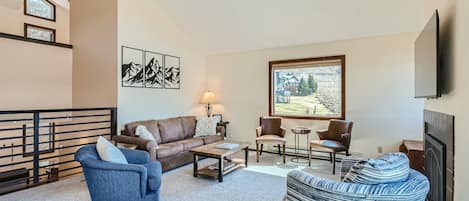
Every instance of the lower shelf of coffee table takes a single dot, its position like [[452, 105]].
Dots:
[[228, 167]]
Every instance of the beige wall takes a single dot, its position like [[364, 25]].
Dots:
[[146, 26], [13, 19], [94, 36], [35, 75], [379, 82], [454, 42]]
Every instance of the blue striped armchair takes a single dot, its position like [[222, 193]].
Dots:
[[302, 186]]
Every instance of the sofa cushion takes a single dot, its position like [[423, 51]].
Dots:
[[169, 149], [206, 126], [171, 129], [211, 139], [188, 125], [151, 125], [388, 168], [191, 143], [154, 173]]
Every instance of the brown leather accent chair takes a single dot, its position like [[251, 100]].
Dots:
[[335, 139], [270, 131]]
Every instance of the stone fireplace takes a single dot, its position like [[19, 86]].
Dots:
[[439, 155]]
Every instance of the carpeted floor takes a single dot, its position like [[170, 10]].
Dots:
[[264, 181]]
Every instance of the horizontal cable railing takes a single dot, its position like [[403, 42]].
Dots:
[[38, 146]]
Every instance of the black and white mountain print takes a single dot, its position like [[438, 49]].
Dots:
[[154, 73], [172, 72], [132, 67]]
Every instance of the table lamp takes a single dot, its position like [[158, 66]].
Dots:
[[208, 98]]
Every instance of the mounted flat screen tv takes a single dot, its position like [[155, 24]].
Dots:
[[427, 64]]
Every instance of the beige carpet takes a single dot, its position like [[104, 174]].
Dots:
[[264, 181]]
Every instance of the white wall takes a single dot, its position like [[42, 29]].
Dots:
[[454, 42], [379, 82], [146, 26], [13, 19]]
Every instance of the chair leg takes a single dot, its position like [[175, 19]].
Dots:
[[333, 166], [284, 153], [309, 155], [262, 147], [330, 157], [347, 153], [279, 152], [257, 152]]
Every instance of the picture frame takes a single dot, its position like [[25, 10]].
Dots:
[[132, 67], [154, 70], [172, 72]]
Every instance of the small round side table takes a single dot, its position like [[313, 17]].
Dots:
[[300, 131]]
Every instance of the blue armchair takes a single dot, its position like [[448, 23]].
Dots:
[[302, 186], [139, 180]]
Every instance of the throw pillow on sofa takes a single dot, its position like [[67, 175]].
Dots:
[[108, 152], [388, 168], [142, 132], [206, 126]]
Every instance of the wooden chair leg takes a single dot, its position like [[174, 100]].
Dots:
[[333, 166], [279, 152], [262, 147], [257, 152], [284, 153]]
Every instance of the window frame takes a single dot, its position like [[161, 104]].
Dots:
[[26, 25], [40, 17], [342, 59]]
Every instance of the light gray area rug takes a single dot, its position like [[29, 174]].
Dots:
[[264, 181]]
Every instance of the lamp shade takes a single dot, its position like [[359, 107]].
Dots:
[[207, 98]]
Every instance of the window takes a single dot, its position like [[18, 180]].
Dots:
[[39, 33], [43, 9], [312, 88]]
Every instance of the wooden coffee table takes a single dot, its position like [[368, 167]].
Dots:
[[224, 165]]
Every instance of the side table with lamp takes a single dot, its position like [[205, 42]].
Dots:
[[208, 98]]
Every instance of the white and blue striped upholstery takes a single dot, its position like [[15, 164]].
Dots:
[[388, 168], [302, 186]]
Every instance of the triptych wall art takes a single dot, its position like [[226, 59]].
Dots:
[[145, 69]]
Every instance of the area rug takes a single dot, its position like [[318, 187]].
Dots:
[[264, 181]]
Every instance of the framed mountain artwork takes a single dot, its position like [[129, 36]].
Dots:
[[172, 72], [154, 70], [133, 74]]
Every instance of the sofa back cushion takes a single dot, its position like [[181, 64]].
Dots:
[[151, 125], [188, 125], [388, 168], [171, 130]]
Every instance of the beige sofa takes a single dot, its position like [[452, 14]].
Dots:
[[175, 137]]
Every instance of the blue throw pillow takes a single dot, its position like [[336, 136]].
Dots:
[[388, 168]]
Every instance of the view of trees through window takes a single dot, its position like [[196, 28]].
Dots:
[[40, 8], [307, 89]]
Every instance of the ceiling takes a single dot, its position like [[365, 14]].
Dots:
[[219, 26]]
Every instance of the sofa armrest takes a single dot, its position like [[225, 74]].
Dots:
[[302, 184], [142, 144], [136, 156], [347, 163]]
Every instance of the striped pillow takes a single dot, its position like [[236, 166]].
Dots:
[[388, 168]]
